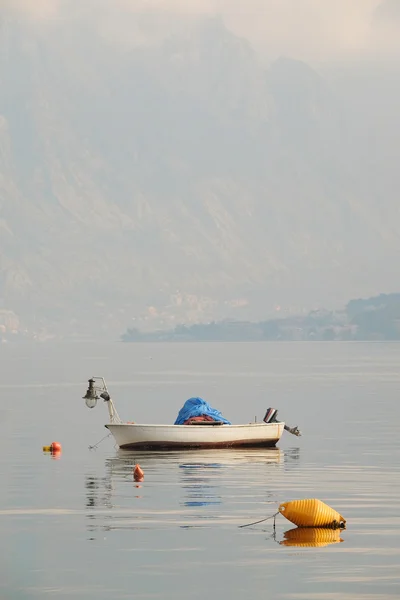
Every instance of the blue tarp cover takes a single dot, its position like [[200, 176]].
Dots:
[[195, 407]]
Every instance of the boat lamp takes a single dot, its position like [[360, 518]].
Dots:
[[91, 396]]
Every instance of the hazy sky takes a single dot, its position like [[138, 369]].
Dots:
[[307, 29]]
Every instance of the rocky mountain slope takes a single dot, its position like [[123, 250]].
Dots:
[[179, 177]]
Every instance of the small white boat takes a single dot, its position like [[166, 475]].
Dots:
[[149, 437], [130, 435]]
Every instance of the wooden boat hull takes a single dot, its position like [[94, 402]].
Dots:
[[156, 437]]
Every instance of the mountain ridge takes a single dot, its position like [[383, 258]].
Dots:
[[130, 174]]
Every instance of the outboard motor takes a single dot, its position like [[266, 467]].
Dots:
[[271, 416]]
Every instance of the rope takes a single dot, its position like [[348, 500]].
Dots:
[[262, 520], [94, 447]]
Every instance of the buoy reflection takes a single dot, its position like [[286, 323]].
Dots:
[[311, 537]]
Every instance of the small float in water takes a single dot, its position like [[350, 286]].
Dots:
[[309, 512], [198, 426]]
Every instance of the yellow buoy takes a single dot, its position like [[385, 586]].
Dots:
[[311, 537], [311, 513], [46, 448]]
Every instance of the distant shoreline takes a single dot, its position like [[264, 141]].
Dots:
[[358, 341], [375, 319]]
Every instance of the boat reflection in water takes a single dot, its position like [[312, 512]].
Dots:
[[98, 496], [202, 477], [311, 537], [198, 487], [221, 457], [190, 479]]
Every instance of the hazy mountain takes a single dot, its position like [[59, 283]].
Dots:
[[180, 162], [387, 12]]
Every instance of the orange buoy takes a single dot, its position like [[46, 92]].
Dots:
[[311, 537], [55, 447], [138, 473], [311, 513]]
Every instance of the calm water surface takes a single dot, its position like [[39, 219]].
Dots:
[[80, 527]]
